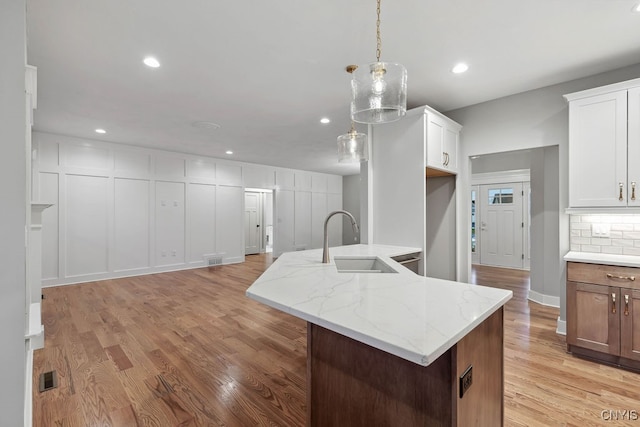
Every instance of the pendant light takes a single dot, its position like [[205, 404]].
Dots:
[[379, 89], [352, 146]]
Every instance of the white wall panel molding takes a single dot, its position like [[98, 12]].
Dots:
[[285, 179], [108, 218], [256, 176], [302, 180], [320, 183]]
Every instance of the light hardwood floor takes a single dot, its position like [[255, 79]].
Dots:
[[189, 349]]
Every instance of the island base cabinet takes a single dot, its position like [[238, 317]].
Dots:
[[353, 384]]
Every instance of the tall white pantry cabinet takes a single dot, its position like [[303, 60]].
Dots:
[[413, 168], [604, 146]]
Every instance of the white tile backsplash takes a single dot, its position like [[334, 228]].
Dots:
[[623, 239]]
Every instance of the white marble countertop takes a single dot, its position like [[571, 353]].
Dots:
[[608, 259], [413, 317]]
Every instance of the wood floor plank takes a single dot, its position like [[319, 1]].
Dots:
[[188, 348]]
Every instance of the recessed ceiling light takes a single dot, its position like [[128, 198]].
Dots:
[[460, 68], [325, 120], [152, 62], [101, 131], [229, 152], [636, 8]]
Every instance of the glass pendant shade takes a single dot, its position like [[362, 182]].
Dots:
[[352, 147], [379, 93]]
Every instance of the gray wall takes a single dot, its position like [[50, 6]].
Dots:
[[350, 203], [538, 118], [440, 248], [513, 160], [13, 175]]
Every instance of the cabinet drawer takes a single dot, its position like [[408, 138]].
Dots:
[[599, 274]]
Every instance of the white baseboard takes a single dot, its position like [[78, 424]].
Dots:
[[543, 299], [561, 329]]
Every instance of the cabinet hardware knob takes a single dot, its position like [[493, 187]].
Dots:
[[620, 196], [613, 303], [633, 190], [626, 305], [613, 276]]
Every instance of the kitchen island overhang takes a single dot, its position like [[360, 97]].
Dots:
[[386, 320]]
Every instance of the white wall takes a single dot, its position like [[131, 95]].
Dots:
[[351, 203], [122, 210], [13, 178], [538, 118]]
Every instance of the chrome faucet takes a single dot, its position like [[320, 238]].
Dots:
[[325, 249]]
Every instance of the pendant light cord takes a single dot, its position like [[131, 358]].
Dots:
[[378, 37]]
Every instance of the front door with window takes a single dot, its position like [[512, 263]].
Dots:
[[501, 225]]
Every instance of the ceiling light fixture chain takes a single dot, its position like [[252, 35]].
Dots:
[[378, 36]]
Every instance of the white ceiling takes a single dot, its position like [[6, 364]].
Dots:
[[267, 71]]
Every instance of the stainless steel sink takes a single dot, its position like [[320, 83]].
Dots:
[[369, 264]]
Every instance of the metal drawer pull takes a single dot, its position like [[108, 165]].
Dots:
[[626, 305], [613, 276], [613, 305], [633, 190]]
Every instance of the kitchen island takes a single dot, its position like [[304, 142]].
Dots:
[[391, 348]]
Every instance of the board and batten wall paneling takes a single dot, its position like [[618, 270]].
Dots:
[[319, 212], [87, 157], [259, 177], [302, 219], [131, 224], [203, 170], [132, 231], [284, 222], [49, 193], [229, 223], [334, 203], [202, 221], [132, 163], [86, 225], [168, 167], [170, 216], [228, 174], [285, 179]]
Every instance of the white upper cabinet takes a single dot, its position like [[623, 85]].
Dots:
[[442, 143], [604, 146]]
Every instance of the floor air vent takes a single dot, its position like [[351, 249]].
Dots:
[[48, 380], [214, 260]]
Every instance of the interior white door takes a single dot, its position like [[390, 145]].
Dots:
[[501, 225], [252, 220]]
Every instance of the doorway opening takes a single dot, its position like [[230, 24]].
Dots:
[[258, 221], [500, 219]]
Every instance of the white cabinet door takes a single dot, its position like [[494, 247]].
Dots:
[[435, 141], [451, 148], [598, 151], [442, 144], [633, 148]]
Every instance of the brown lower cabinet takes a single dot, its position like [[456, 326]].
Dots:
[[352, 384], [603, 313]]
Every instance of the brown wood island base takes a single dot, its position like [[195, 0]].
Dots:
[[353, 384]]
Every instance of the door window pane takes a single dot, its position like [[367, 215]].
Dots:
[[494, 196], [506, 195]]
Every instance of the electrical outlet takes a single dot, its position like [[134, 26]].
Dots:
[[601, 230], [466, 379]]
